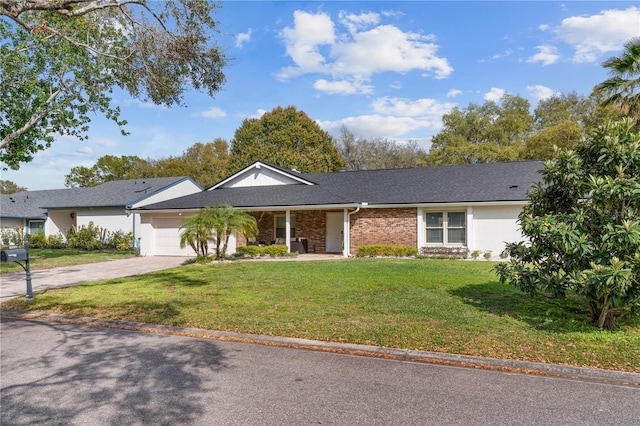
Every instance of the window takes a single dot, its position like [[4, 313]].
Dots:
[[446, 228], [35, 226], [281, 226]]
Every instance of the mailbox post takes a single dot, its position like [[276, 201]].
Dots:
[[17, 255]]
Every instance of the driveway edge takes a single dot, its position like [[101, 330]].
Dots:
[[468, 361]]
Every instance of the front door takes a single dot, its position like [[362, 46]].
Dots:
[[334, 232]]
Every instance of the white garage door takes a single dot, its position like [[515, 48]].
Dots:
[[167, 237]]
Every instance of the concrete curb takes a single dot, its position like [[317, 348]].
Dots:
[[504, 365]]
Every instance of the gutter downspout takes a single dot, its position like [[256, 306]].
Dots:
[[346, 251]]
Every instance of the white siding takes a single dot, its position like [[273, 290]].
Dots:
[[113, 219], [11, 223], [59, 221], [260, 177], [186, 187], [493, 226]]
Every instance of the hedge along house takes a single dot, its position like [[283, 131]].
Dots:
[[457, 208], [58, 210]]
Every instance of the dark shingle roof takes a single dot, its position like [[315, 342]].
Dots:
[[485, 182], [34, 204], [27, 204]]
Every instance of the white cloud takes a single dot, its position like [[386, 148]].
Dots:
[[259, 113], [504, 54], [356, 22], [242, 38], [425, 108], [540, 93], [376, 125], [342, 87], [592, 36], [393, 118], [453, 93], [309, 32], [213, 112], [548, 55], [494, 95], [315, 46]]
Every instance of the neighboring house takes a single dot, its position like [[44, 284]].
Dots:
[[107, 205], [458, 207]]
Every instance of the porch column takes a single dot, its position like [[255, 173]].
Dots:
[[287, 235], [469, 225], [346, 236], [421, 231]]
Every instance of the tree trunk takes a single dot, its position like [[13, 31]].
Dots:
[[602, 316]]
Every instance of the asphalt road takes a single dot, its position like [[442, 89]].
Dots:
[[55, 373]]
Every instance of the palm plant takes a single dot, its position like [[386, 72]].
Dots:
[[196, 231], [227, 220], [623, 88]]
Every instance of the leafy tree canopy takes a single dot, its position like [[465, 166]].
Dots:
[[204, 163], [207, 163], [107, 168], [287, 138], [378, 153], [9, 187], [483, 133], [60, 60], [583, 226]]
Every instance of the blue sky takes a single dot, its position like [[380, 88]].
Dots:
[[382, 69]]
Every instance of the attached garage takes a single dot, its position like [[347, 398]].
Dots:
[[166, 236], [160, 236]]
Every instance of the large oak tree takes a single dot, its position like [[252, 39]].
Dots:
[[287, 138], [60, 60]]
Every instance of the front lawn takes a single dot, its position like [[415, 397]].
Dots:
[[434, 305], [53, 258]]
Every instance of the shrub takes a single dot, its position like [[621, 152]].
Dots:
[[37, 240], [274, 250], [251, 251], [487, 255], [386, 250], [257, 251], [121, 241], [56, 241], [86, 237], [11, 237]]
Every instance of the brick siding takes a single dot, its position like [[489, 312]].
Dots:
[[397, 227]]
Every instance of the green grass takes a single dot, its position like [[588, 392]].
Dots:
[[53, 258], [434, 305]]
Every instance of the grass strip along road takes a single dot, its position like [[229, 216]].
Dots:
[[433, 305]]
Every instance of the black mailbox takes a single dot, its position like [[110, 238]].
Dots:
[[13, 255]]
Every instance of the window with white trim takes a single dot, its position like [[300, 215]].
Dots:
[[446, 228], [281, 226], [35, 226]]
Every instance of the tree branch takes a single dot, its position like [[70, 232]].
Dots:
[[30, 123]]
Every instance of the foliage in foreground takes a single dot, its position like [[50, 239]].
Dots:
[[583, 223], [61, 60]]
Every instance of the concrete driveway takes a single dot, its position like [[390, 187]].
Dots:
[[13, 285]]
